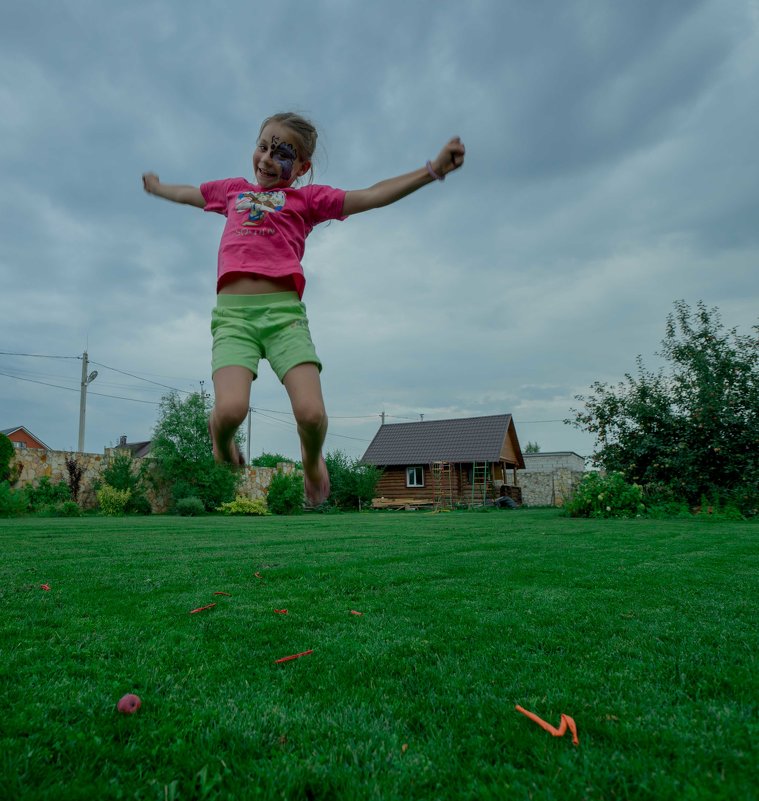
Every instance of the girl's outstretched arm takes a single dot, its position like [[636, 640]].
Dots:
[[450, 158], [191, 195]]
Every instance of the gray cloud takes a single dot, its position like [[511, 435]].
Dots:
[[610, 170]]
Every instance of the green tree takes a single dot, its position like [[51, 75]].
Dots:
[[692, 429], [352, 484], [269, 460], [75, 472], [285, 495], [182, 459], [532, 447], [6, 454], [121, 475]]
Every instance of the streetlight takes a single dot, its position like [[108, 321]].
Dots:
[[86, 379]]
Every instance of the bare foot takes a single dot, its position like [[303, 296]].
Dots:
[[316, 483], [232, 455]]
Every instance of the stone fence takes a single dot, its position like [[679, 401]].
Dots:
[[32, 464], [538, 488], [552, 488]]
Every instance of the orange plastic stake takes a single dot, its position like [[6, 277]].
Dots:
[[566, 723], [201, 608], [223, 593], [354, 612], [258, 575], [294, 656]]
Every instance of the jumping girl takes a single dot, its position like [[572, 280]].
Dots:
[[259, 313]]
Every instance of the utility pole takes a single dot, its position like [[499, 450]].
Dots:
[[249, 414], [86, 379], [383, 418]]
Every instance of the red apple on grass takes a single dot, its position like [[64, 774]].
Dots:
[[129, 704]]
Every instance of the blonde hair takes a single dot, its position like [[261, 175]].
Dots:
[[304, 131]]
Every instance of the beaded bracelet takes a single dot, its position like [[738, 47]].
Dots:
[[433, 173]]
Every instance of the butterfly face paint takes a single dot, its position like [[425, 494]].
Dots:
[[276, 161], [285, 155]]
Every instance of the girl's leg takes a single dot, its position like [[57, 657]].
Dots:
[[232, 399], [305, 390]]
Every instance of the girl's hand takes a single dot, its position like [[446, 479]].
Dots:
[[450, 158], [150, 182]]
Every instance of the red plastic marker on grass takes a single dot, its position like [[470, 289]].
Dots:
[[229, 594], [354, 612], [201, 608], [294, 656], [45, 587], [281, 611], [566, 723]]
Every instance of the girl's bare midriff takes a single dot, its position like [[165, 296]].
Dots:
[[256, 285]]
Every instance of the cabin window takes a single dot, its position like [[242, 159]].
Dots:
[[414, 476]]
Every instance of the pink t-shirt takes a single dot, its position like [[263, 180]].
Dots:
[[266, 229]]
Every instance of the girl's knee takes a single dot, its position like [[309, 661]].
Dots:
[[310, 415], [229, 412]]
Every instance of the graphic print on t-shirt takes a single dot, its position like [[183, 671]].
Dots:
[[258, 204]]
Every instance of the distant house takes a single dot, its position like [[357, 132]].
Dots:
[[441, 463], [23, 438], [136, 449]]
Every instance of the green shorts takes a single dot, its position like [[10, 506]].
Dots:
[[248, 328]]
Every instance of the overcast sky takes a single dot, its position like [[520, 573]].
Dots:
[[611, 169]]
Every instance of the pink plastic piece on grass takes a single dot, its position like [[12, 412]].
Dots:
[[224, 593], [281, 611], [294, 656], [566, 723], [354, 612], [201, 608], [45, 587]]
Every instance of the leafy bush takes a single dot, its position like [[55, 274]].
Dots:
[[182, 463], [190, 507], [6, 454], [662, 503], [61, 509], [245, 506], [285, 494], [139, 504], [120, 474], [352, 484], [47, 494], [75, 472], [605, 496], [270, 460], [112, 501], [12, 502]]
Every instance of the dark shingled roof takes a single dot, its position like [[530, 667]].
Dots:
[[470, 439]]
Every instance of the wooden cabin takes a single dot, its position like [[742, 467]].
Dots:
[[446, 463]]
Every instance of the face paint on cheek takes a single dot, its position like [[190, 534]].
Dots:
[[285, 155]]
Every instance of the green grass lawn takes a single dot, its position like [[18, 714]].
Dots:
[[645, 632]]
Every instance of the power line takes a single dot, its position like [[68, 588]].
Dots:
[[106, 366], [293, 425], [140, 378], [36, 355], [76, 389], [331, 417], [44, 383]]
